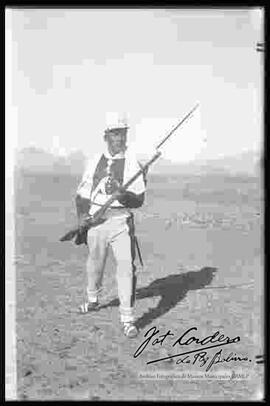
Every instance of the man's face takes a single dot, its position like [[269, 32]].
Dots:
[[116, 140]]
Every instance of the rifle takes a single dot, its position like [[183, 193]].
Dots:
[[97, 217]]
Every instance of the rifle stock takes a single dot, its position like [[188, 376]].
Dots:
[[70, 234]]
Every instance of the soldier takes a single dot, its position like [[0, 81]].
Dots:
[[107, 172]]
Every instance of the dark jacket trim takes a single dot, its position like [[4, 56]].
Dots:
[[131, 200], [82, 206]]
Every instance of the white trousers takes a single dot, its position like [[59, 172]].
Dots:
[[117, 232]]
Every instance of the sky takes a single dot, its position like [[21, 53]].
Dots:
[[68, 67]]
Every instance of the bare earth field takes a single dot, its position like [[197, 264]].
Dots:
[[202, 244]]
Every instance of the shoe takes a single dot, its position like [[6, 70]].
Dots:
[[130, 330], [89, 307]]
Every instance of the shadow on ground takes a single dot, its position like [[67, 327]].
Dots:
[[172, 289]]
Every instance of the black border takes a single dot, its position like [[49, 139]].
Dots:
[[266, 175]]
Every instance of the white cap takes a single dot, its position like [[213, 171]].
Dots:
[[116, 120]]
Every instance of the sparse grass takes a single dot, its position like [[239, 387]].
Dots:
[[186, 227]]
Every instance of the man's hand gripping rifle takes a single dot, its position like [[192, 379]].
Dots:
[[97, 218]]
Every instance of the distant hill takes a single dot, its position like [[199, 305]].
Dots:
[[37, 160], [250, 163]]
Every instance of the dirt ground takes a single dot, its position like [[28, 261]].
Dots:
[[202, 244]]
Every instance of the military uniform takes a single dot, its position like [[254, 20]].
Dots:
[[105, 173]]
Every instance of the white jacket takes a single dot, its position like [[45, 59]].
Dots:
[[98, 195]]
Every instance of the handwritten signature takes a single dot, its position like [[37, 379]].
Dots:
[[199, 355]]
